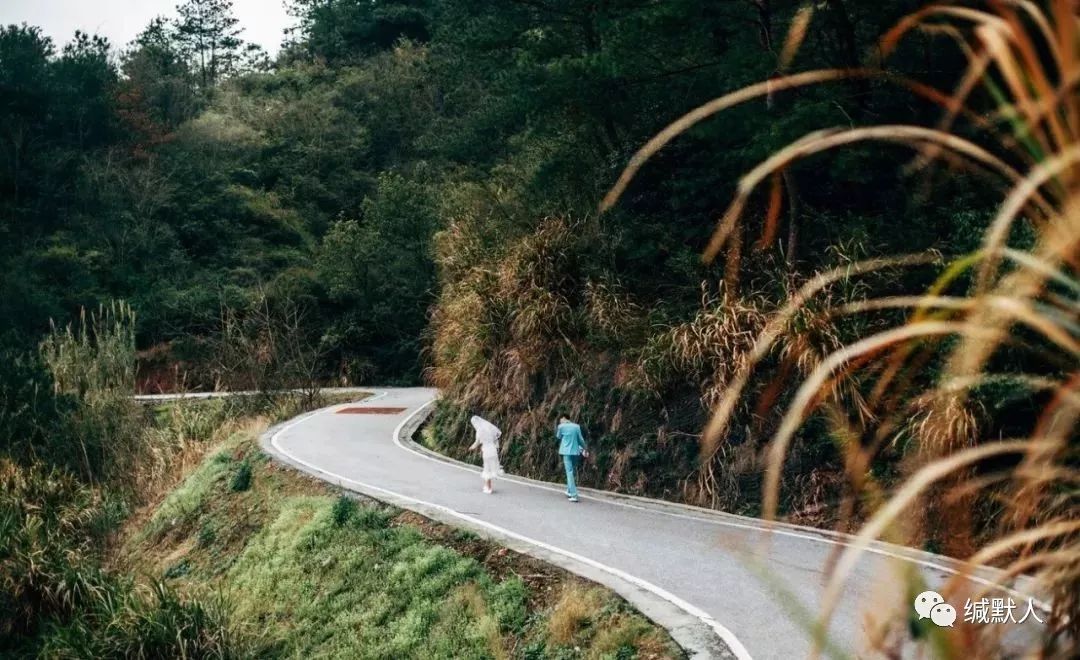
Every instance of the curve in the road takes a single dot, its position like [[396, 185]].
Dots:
[[655, 554], [733, 645]]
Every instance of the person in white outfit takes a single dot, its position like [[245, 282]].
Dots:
[[487, 440]]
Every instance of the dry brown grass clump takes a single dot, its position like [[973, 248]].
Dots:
[[507, 316], [578, 605], [709, 348]]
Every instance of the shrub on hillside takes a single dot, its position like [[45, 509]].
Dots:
[[241, 479]]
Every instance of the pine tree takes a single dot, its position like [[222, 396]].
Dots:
[[209, 33]]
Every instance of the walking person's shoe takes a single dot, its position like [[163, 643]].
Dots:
[[488, 491], [573, 498]]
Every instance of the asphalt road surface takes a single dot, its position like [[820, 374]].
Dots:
[[724, 585]]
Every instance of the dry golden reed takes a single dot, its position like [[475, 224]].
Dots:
[[1025, 57]]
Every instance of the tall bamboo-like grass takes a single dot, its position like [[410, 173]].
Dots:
[[95, 355], [93, 362], [994, 304], [49, 523], [147, 621], [52, 530], [59, 508]]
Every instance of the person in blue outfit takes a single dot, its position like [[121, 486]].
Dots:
[[572, 448]]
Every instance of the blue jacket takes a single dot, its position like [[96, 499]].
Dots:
[[571, 442]]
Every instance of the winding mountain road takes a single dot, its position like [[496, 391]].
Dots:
[[722, 584]]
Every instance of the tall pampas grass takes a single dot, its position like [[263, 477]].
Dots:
[[986, 308]]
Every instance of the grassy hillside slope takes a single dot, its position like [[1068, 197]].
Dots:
[[308, 572]]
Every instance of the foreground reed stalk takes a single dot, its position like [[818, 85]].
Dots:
[[1001, 300]]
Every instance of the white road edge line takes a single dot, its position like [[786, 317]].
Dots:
[[770, 530], [707, 520], [734, 645]]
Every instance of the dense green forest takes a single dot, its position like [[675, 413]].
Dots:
[[410, 192], [412, 188], [393, 144]]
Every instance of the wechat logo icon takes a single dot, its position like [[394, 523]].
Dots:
[[930, 605]]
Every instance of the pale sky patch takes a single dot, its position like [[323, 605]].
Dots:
[[264, 21]]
